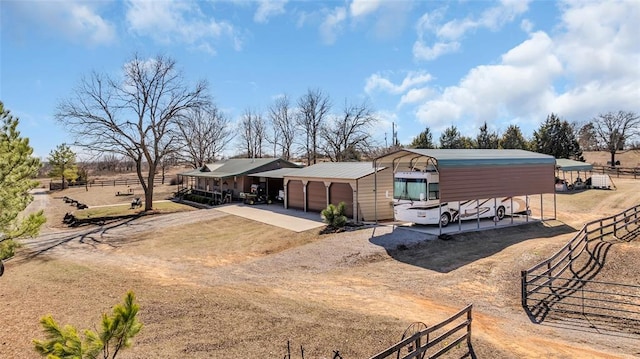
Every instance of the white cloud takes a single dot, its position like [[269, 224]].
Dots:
[[588, 66], [267, 9], [521, 85], [364, 7], [412, 79], [416, 95], [526, 25], [447, 35], [79, 21], [178, 22], [332, 24], [424, 52]]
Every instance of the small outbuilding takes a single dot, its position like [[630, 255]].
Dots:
[[313, 188]]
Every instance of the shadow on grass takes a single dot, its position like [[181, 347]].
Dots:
[[463, 248], [92, 236]]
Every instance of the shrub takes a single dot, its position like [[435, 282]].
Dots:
[[334, 216], [116, 333], [8, 248]]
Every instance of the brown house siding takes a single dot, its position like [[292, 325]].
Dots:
[[465, 183]]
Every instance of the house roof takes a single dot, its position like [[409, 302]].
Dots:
[[564, 164], [235, 167], [279, 173], [466, 157], [336, 170]]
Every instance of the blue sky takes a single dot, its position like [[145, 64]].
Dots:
[[418, 63]]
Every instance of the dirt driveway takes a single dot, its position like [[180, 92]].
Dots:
[[214, 285]]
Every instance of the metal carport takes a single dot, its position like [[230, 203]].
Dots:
[[471, 174]]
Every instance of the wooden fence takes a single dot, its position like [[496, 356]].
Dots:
[[564, 282], [56, 185], [420, 346], [618, 172]]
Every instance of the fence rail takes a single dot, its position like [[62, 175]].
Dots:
[[564, 282], [104, 183], [618, 171], [419, 343]]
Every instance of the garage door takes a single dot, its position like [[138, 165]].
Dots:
[[342, 192], [295, 196], [316, 196]]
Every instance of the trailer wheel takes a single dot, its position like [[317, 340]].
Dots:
[[500, 213], [1, 268], [444, 219]]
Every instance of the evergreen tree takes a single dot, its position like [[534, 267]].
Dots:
[[17, 169], [423, 140], [63, 164], [116, 333], [486, 139], [556, 138], [451, 138], [513, 139]]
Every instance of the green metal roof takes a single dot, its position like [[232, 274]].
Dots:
[[564, 164], [234, 167], [336, 170], [279, 173], [466, 157]]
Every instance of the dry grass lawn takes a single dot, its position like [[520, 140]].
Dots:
[[212, 285]]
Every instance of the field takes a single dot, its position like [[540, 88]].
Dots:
[[212, 285]]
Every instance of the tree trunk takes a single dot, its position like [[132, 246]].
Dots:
[[613, 158], [148, 195]]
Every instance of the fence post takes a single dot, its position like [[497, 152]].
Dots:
[[469, 319], [523, 288]]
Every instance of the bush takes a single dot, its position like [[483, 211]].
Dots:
[[8, 248], [334, 216]]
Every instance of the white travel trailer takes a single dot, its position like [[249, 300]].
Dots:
[[416, 199]]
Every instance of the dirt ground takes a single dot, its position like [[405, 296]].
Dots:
[[212, 285]]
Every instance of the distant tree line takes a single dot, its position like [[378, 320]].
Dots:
[[610, 132]]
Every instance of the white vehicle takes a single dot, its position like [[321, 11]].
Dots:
[[416, 199]]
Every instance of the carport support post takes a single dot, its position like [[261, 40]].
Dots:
[[477, 212], [286, 194], [495, 212]]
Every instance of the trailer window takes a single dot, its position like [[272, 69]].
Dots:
[[409, 188], [434, 191]]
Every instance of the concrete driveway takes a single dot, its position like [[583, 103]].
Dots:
[[275, 215]]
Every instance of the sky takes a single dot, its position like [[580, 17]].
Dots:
[[418, 64]]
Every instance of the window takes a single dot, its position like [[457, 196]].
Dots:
[[434, 191], [409, 188]]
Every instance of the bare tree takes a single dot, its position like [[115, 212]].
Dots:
[[205, 133], [314, 107], [282, 118], [134, 116], [612, 130], [346, 137], [108, 162], [253, 131]]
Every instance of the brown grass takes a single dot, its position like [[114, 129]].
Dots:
[[227, 287]]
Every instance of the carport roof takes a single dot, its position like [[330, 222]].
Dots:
[[466, 157], [336, 170], [564, 164]]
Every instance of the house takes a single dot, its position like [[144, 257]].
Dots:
[[232, 176]]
